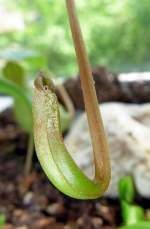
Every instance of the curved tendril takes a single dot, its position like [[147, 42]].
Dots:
[[51, 151]]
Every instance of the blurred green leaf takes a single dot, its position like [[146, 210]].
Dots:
[[126, 189], [141, 225], [14, 72], [22, 107], [131, 214], [23, 114], [2, 220]]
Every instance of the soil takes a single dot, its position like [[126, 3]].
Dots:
[[32, 202]]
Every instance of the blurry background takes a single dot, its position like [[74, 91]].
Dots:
[[117, 34]]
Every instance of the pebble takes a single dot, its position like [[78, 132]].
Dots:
[[55, 209], [28, 198]]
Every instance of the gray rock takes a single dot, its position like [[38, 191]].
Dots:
[[128, 130]]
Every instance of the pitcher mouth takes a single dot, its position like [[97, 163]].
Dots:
[[43, 82]]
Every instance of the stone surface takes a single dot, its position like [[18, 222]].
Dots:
[[5, 102], [128, 130]]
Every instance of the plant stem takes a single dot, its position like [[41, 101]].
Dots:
[[99, 142], [66, 99], [29, 156]]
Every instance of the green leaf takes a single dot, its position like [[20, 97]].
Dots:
[[23, 109], [126, 189], [141, 225], [131, 214], [13, 71], [2, 220]]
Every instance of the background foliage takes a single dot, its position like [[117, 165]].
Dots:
[[117, 34]]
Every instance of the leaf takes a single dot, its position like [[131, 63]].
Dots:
[[131, 214], [23, 109], [13, 71], [2, 220], [126, 189], [141, 225]]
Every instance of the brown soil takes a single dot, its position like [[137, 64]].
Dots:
[[32, 202]]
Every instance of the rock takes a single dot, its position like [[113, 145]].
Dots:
[[28, 198], [97, 222], [5, 102], [55, 209], [44, 223], [128, 130]]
